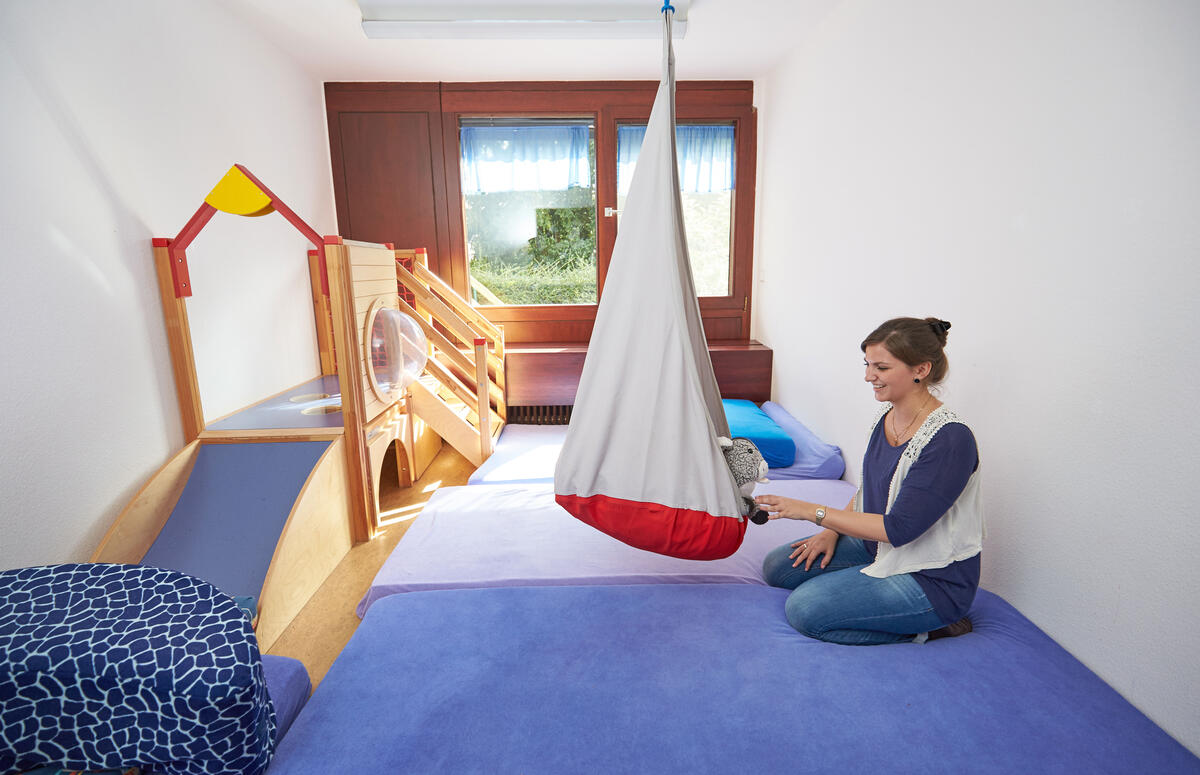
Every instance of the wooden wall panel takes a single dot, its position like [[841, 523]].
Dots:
[[385, 143], [722, 328], [389, 195], [543, 376], [743, 369]]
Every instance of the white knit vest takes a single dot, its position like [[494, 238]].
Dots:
[[957, 535]]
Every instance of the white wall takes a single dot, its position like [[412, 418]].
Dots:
[[1029, 171], [118, 120]]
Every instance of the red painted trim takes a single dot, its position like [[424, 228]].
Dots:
[[480, 341], [193, 227], [283, 209], [332, 239], [684, 533], [160, 242], [389, 246], [178, 246], [288, 213], [422, 251], [180, 277], [313, 253]]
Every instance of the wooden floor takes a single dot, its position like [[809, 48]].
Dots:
[[325, 624]]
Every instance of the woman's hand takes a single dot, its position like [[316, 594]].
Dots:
[[807, 550], [779, 507], [847, 523]]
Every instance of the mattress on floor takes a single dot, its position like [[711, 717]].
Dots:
[[702, 678], [525, 454], [516, 535]]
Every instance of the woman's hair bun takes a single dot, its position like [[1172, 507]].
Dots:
[[940, 328]]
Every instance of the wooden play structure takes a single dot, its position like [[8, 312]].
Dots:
[[264, 502]]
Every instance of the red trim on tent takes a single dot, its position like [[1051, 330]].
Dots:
[[684, 533]]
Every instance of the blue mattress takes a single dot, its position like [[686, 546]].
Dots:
[[701, 678]]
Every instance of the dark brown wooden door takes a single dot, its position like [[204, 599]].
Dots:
[[389, 179]]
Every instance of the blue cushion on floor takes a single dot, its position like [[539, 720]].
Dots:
[[749, 422], [103, 666]]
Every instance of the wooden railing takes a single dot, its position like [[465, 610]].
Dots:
[[464, 398]]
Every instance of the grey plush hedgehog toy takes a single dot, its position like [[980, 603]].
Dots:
[[747, 466]]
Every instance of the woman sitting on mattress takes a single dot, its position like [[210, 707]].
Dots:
[[903, 565]]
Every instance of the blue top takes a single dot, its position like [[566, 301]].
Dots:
[[931, 486]]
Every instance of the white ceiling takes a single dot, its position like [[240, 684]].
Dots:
[[726, 39]]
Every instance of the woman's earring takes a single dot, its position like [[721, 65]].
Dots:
[[917, 380]]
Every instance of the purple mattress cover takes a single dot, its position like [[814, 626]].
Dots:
[[516, 535], [702, 678]]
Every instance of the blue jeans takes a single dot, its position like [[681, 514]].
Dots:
[[840, 604]]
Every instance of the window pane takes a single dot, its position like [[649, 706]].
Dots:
[[529, 203], [705, 156]]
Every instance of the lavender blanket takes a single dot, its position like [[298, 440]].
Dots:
[[516, 535]]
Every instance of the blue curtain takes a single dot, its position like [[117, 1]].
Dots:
[[704, 153], [524, 158]]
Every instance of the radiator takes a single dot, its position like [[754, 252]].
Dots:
[[539, 415]]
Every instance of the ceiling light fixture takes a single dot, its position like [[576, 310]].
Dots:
[[560, 19]]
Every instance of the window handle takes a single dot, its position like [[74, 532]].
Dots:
[[610, 212]]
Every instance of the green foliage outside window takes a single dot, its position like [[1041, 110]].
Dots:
[[566, 237], [533, 284], [556, 266]]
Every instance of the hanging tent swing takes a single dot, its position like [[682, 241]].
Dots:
[[642, 461]]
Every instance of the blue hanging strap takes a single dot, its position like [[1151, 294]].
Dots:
[[667, 7]]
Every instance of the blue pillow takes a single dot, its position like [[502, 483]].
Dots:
[[748, 421], [815, 459]]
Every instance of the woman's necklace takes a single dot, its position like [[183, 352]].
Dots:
[[897, 434]]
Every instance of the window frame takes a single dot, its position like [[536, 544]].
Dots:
[[607, 104], [456, 171]]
